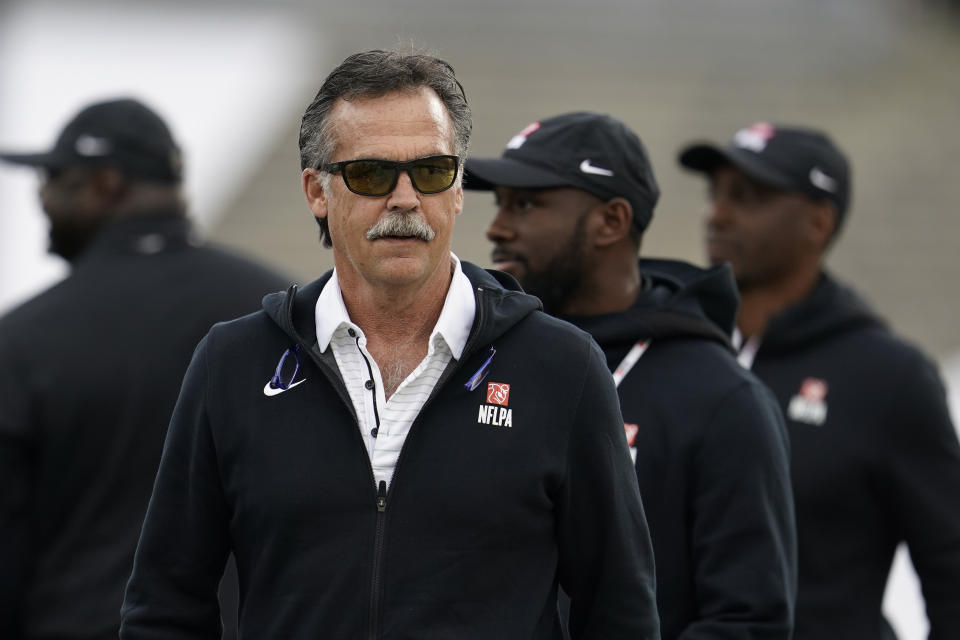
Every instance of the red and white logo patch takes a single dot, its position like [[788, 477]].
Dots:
[[810, 403], [498, 393], [754, 137], [814, 389], [517, 141]]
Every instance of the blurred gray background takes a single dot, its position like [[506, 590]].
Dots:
[[233, 77], [883, 77]]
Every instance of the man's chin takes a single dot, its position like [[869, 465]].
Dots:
[[513, 267], [70, 245], [717, 257]]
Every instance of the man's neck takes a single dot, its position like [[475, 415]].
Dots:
[[759, 303], [390, 313], [606, 290], [397, 321]]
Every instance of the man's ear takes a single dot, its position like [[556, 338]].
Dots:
[[314, 193], [616, 220], [458, 199], [105, 188], [821, 223], [107, 182]]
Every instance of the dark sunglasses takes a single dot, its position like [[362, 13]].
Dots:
[[372, 177]]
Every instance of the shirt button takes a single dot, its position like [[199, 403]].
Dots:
[[351, 333], [368, 384], [375, 431]]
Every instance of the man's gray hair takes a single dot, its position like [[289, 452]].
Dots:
[[373, 74]]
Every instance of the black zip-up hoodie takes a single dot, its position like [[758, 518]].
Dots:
[[89, 372], [875, 461], [484, 516], [711, 458]]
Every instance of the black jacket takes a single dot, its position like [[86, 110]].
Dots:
[[875, 461], [89, 373], [483, 516], [711, 458]]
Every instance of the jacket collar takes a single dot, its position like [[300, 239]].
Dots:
[[831, 308], [679, 301], [500, 305], [142, 234]]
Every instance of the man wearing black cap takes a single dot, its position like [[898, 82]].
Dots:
[[90, 368], [574, 195], [875, 458]]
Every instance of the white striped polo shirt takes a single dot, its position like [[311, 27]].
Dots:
[[384, 424]]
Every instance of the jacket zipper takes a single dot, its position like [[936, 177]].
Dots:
[[376, 585], [382, 493]]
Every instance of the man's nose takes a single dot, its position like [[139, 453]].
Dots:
[[500, 229], [717, 213], [404, 196]]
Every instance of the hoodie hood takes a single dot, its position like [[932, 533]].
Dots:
[[679, 300], [500, 305], [833, 308]]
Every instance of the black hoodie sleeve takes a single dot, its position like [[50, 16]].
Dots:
[[743, 533], [183, 547], [16, 486], [924, 480], [606, 558]]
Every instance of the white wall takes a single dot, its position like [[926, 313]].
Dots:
[[225, 79]]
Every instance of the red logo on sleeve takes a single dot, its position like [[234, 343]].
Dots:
[[631, 431], [498, 393]]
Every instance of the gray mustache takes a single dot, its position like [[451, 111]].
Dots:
[[403, 225]]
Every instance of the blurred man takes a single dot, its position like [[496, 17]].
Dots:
[[875, 458], [574, 195], [430, 455], [89, 369]]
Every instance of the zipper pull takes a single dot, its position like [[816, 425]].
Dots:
[[382, 497]]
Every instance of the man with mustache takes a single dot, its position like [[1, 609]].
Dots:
[[406, 447], [875, 457], [90, 368], [574, 195]]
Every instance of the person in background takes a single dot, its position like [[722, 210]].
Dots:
[[574, 195], [406, 447], [875, 458], [90, 369]]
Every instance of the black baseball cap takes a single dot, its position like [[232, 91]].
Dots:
[[122, 133], [589, 151], [785, 157]]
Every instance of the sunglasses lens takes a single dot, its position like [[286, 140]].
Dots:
[[379, 177], [369, 177], [434, 174]]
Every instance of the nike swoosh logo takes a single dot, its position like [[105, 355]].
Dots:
[[586, 167], [270, 391], [91, 146], [822, 180]]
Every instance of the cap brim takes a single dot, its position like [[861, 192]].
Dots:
[[486, 174], [46, 160], [706, 158]]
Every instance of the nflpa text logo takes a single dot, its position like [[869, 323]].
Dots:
[[496, 412]]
